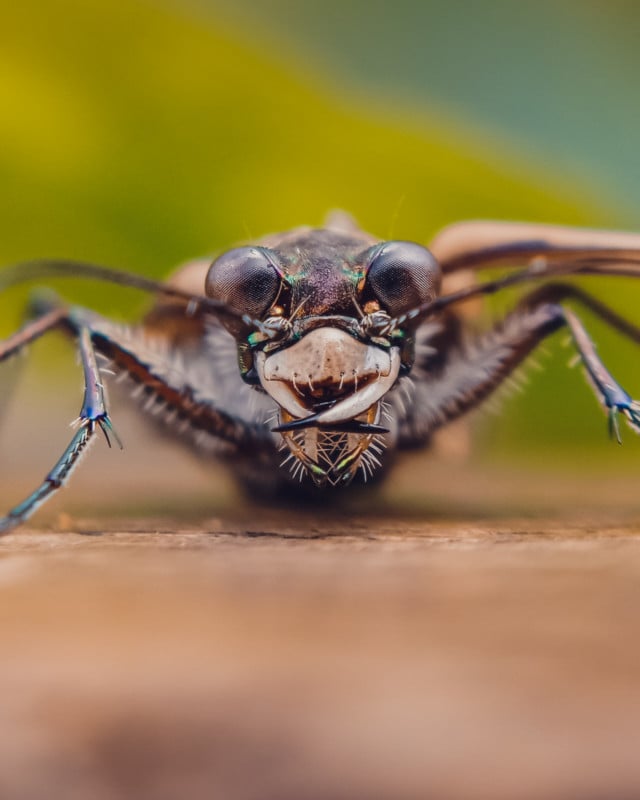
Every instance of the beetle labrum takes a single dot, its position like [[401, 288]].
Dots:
[[316, 353]]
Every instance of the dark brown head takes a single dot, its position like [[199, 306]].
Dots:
[[326, 349]]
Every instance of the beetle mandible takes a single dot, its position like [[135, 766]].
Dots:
[[316, 353]]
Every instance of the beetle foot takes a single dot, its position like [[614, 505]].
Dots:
[[632, 413], [631, 410], [108, 431]]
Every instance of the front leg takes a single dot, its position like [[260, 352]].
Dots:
[[468, 374], [93, 336], [93, 416]]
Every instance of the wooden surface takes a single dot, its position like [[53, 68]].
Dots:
[[297, 657]]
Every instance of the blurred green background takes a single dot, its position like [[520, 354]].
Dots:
[[139, 134]]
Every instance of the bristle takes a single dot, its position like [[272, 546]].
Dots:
[[286, 460], [575, 359]]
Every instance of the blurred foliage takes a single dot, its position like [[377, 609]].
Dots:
[[558, 78], [140, 134]]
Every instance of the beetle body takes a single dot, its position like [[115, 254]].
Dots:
[[327, 360], [314, 355]]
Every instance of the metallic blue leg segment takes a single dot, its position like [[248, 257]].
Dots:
[[615, 399], [93, 416]]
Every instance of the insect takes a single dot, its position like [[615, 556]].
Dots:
[[312, 355]]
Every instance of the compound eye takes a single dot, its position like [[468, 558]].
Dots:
[[246, 279], [403, 275]]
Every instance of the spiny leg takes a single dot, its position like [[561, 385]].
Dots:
[[117, 345], [470, 374], [96, 335], [183, 401], [93, 416], [613, 397]]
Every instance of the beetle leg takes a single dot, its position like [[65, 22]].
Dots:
[[95, 335], [184, 402], [473, 372], [615, 399], [93, 416]]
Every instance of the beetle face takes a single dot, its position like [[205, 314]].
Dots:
[[327, 352], [336, 382]]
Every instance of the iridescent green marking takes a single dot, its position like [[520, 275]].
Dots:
[[348, 460], [255, 338]]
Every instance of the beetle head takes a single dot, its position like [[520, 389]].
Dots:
[[327, 350]]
